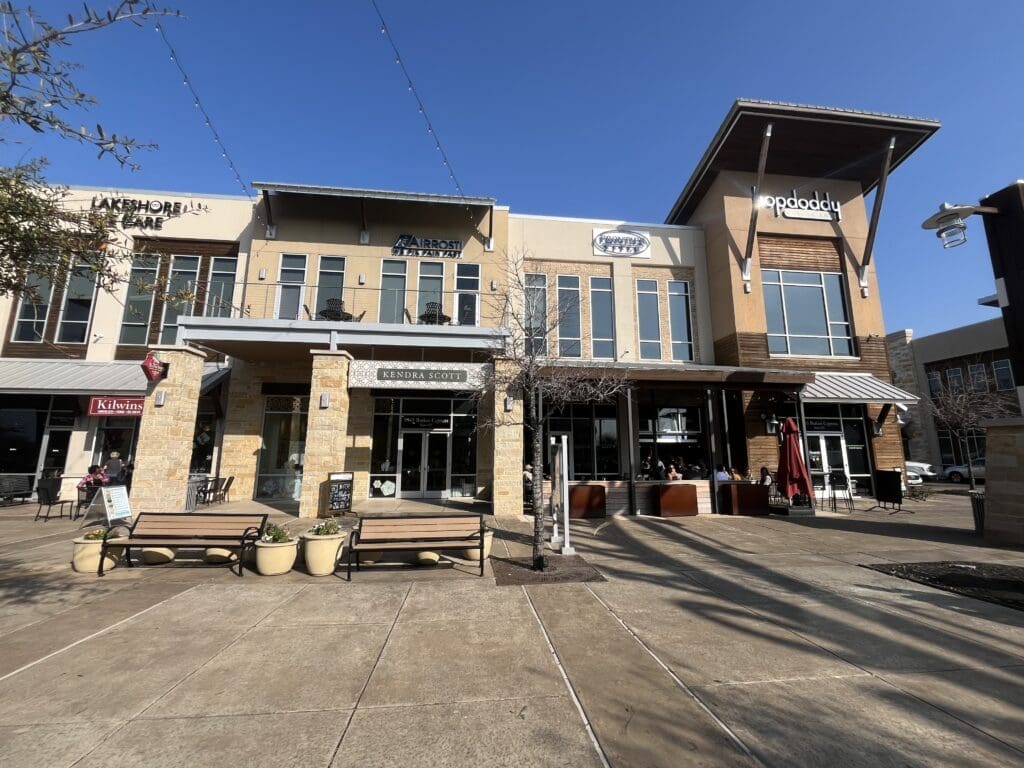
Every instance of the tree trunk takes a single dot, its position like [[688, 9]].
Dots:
[[534, 421], [970, 464]]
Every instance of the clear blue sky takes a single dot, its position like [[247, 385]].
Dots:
[[591, 108]]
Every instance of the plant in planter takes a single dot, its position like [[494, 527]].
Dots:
[[322, 545], [86, 555], [275, 551], [474, 553]]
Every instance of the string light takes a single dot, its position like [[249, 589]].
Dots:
[[419, 102], [207, 121]]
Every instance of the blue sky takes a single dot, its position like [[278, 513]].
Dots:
[[591, 108]]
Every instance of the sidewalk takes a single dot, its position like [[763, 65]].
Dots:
[[714, 642]]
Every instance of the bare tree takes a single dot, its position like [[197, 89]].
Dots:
[[963, 409], [529, 365]]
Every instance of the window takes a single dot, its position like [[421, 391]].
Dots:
[[679, 319], [331, 282], [955, 379], [934, 383], [602, 318], [569, 338], [290, 284], [431, 289], [34, 309], [467, 296], [181, 294], [138, 303], [392, 291], [806, 313], [78, 296], [593, 439], [979, 379], [221, 290], [1003, 374], [536, 314], [648, 319]]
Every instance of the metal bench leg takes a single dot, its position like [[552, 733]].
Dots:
[[349, 570]]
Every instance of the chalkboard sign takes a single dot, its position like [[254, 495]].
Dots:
[[889, 487], [339, 492]]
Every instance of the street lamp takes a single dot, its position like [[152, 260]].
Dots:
[[949, 222]]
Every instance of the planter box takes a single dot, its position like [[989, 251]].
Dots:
[[586, 501], [743, 499], [86, 555], [675, 500]]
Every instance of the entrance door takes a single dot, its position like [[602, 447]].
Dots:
[[825, 454], [423, 464]]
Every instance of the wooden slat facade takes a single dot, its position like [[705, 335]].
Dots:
[[814, 254]]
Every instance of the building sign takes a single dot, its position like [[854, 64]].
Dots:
[[153, 367], [144, 214], [426, 422], [622, 242], [433, 375], [116, 406], [425, 247], [824, 425], [815, 208]]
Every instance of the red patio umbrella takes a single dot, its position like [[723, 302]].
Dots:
[[792, 478]]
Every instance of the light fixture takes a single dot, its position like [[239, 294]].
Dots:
[[362, 278], [364, 237], [263, 274], [949, 224], [771, 423], [160, 399], [876, 429], [494, 285], [325, 399], [509, 403]]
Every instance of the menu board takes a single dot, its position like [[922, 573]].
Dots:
[[339, 492]]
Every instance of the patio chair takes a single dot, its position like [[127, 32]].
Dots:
[[432, 314], [335, 311], [85, 497], [839, 484], [46, 497]]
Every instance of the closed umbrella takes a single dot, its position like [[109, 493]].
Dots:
[[793, 477]]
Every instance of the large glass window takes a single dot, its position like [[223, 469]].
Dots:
[[283, 449], [648, 319], [331, 282], [670, 435], [138, 303], [221, 290], [593, 440], [431, 293], [806, 313], [602, 318], [77, 311], [979, 379], [679, 319], [955, 379], [291, 281], [536, 314], [1003, 374], [934, 383], [392, 291], [569, 327], [467, 294], [181, 294], [34, 309]]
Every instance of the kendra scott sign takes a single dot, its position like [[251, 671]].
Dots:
[[816, 208]]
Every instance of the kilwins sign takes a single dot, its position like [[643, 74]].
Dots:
[[815, 208], [622, 242], [426, 247]]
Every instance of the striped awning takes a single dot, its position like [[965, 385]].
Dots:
[[86, 377], [854, 388]]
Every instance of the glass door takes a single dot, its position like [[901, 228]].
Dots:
[[410, 465], [825, 454], [424, 463], [436, 468]]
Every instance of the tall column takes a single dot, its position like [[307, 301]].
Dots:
[[327, 427], [508, 453], [164, 449]]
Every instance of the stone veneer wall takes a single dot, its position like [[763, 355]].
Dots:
[[164, 450], [507, 496], [1004, 483], [920, 424], [358, 442], [326, 432]]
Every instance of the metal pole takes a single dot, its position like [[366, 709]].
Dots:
[[805, 444], [632, 453], [710, 402], [566, 547], [556, 479], [725, 431]]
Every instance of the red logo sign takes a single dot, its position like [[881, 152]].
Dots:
[[116, 406], [152, 367]]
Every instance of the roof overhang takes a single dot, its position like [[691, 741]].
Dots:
[[808, 141], [88, 377], [371, 194], [853, 388], [685, 373]]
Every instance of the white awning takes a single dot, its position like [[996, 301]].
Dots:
[[86, 377], [854, 388]]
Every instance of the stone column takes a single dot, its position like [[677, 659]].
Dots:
[[1004, 482], [164, 450], [327, 427], [508, 453]]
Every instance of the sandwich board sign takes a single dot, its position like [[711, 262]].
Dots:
[[111, 503]]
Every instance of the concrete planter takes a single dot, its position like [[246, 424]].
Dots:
[[275, 558], [157, 555], [221, 555], [86, 555], [428, 558], [474, 553], [322, 552]]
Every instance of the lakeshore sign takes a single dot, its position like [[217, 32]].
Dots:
[[816, 208], [621, 242], [143, 214]]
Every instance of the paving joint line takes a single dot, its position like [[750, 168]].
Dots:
[[568, 684], [366, 683], [678, 681]]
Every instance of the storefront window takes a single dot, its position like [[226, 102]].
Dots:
[[204, 441], [670, 434], [593, 441], [602, 318], [837, 436], [569, 333], [284, 445], [806, 313], [22, 422], [648, 319]]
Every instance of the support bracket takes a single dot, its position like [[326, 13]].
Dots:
[[271, 226], [755, 193], [876, 210]]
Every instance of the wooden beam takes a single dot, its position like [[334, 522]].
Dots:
[[876, 212], [755, 193]]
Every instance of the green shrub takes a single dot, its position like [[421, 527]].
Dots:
[[326, 528]]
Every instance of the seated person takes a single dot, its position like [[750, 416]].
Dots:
[[766, 476], [94, 478], [721, 474], [673, 474]]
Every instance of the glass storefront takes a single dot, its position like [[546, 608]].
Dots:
[[837, 440], [423, 447], [592, 433], [35, 431], [115, 433], [283, 447], [204, 440]]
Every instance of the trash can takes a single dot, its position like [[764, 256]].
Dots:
[[978, 510], [338, 495], [196, 483]]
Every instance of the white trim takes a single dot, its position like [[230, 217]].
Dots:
[[612, 222], [782, 356], [280, 285], [195, 287], [1009, 370]]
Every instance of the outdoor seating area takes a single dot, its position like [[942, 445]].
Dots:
[[217, 489], [335, 311]]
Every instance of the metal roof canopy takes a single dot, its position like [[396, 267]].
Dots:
[[815, 142], [690, 374], [854, 388], [372, 194], [87, 377]]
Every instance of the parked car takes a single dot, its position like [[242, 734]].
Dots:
[[922, 469], [912, 478], [958, 472]]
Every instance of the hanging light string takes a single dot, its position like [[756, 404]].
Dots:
[[384, 30], [187, 82]]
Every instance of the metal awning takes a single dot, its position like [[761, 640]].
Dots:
[[87, 377], [213, 374], [854, 388], [685, 373]]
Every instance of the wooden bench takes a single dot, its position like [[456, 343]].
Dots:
[[183, 530], [407, 533]]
